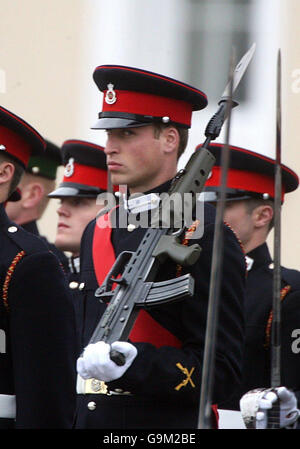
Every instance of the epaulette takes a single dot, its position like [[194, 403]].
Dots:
[[28, 242], [291, 277]]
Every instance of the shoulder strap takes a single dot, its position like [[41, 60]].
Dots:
[[102, 245], [291, 277]]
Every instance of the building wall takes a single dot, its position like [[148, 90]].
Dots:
[[49, 50]]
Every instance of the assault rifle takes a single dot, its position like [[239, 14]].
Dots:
[[134, 273]]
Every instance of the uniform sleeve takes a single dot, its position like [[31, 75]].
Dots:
[[176, 372], [43, 343]]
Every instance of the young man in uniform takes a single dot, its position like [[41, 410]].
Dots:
[[147, 117], [37, 324], [250, 212], [36, 183], [85, 177]]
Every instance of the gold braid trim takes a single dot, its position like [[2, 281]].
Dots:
[[189, 232], [283, 292], [9, 273], [240, 243]]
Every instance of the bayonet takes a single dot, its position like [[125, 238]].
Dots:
[[216, 274], [215, 124], [238, 73], [274, 413], [275, 363]]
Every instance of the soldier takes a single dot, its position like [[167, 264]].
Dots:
[[37, 181], [37, 325], [85, 177], [147, 117], [250, 211]]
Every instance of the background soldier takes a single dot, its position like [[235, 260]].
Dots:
[[147, 117], [250, 211], [37, 323], [36, 183], [85, 177]]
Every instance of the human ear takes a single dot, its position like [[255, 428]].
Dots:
[[171, 139], [7, 170], [263, 215], [33, 194]]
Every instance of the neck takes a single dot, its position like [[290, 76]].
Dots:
[[254, 242]]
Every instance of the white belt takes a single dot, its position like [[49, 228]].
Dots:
[[7, 406], [230, 419], [95, 386]]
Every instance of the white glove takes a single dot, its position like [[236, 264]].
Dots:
[[255, 404], [96, 362]]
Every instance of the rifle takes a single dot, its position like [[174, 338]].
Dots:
[[133, 273]]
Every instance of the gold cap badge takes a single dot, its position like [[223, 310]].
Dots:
[[110, 96], [69, 168]]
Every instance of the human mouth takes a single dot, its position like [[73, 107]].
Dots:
[[62, 225], [112, 165]]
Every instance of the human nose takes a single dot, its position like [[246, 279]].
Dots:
[[63, 210], [112, 145]]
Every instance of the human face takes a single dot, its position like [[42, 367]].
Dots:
[[73, 216], [139, 159], [236, 214]]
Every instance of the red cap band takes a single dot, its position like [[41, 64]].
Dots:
[[15, 145], [147, 104], [87, 175], [244, 180]]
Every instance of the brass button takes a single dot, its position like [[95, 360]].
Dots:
[[73, 285], [81, 286], [131, 227], [12, 229], [118, 390], [91, 405], [35, 170]]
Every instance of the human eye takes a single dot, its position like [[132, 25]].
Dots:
[[127, 132]]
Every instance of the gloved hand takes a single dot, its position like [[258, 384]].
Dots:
[[96, 362], [255, 405]]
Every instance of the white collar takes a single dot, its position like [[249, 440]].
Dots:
[[74, 264], [141, 203], [249, 262]]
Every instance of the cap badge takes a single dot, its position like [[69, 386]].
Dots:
[[69, 168], [2, 147], [110, 96]]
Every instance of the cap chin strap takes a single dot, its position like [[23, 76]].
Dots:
[[113, 120], [212, 194]]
